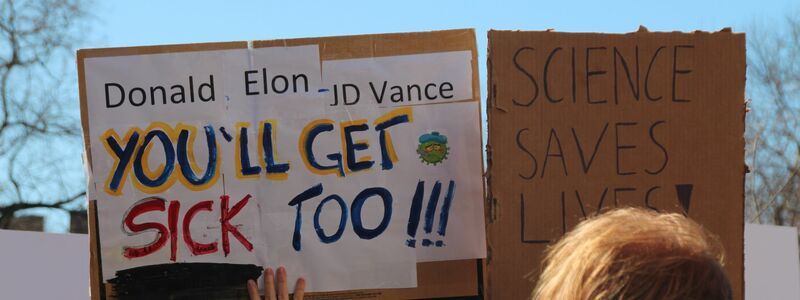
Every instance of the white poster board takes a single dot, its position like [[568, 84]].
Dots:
[[36, 265], [347, 172], [771, 263]]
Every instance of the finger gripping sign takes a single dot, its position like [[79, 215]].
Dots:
[[348, 167]]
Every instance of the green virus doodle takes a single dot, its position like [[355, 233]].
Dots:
[[433, 148]]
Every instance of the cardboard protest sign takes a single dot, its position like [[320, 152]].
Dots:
[[581, 122], [346, 159]]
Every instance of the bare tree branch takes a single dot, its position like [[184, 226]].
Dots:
[[773, 125], [38, 134]]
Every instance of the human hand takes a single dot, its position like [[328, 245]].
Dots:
[[270, 292]]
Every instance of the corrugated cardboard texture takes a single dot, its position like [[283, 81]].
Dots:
[[435, 279], [577, 122]]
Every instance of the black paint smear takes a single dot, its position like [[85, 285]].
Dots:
[[184, 281], [225, 134]]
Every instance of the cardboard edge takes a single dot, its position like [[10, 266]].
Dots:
[[84, 108], [95, 273], [489, 202], [741, 40], [157, 49], [641, 30], [413, 35], [385, 44]]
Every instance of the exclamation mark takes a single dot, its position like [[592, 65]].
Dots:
[[413, 216], [445, 213], [430, 211]]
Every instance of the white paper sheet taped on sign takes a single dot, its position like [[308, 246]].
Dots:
[[772, 266], [269, 165], [401, 80]]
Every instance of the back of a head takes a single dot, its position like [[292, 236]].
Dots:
[[635, 253]]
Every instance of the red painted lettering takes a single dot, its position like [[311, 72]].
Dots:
[[142, 207], [225, 216]]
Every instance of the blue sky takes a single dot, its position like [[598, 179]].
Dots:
[[135, 23], [158, 22]]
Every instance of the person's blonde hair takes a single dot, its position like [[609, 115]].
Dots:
[[634, 253]]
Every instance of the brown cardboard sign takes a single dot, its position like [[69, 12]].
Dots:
[[442, 278], [581, 122]]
